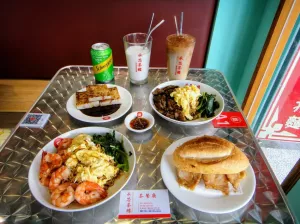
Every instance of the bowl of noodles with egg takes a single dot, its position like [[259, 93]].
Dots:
[[81, 169], [186, 102]]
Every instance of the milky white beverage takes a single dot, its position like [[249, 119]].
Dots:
[[137, 51], [138, 59]]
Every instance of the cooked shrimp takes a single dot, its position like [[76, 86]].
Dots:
[[44, 167], [58, 176], [89, 192], [64, 144], [74, 185], [63, 195], [45, 181], [48, 163], [64, 154], [52, 159]]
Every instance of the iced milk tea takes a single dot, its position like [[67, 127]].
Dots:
[[179, 54]]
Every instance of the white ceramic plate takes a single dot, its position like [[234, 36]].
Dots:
[[142, 114], [126, 102], [203, 88], [202, 199], [41, 193]]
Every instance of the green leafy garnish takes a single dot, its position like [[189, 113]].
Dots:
[[113, 148], [207, 105]]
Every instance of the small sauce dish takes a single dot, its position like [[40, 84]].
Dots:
[[139, 121]]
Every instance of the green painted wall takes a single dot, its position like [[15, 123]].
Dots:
[[239, 33], [238, 36], [294, 200]]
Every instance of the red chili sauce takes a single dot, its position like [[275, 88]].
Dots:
[[139, 123]]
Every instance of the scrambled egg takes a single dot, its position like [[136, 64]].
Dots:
[[82, 141], [88, 162], [187, 97]]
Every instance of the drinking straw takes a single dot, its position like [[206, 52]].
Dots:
[[150, 23], [154, 28], [181, 22], [176, 25]]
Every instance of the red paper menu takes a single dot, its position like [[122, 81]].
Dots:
[[230, 120]]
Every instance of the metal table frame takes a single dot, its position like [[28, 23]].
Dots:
[[268, 204]]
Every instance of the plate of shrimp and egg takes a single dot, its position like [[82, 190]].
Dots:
[[76, 171]]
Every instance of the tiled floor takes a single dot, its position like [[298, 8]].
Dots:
[[282, 156], [281, 160]]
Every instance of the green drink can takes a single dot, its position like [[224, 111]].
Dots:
[[102, 62]]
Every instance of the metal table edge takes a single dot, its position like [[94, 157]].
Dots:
[[18, 125], [233, 95], [283, 195]]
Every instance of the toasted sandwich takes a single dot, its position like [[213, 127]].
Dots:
[[217, 161]]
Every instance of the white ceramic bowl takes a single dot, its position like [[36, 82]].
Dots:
[[203, 88], [41, 193], [142, 114]]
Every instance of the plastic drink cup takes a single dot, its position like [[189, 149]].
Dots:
[[179, 54], [137, 56]]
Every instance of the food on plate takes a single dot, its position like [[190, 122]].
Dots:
[[207, 105], [98, 100], [83, 168], [82, 101], [215, 160], [187, 98], [96, 95], [101, 110], [188, 179], [103, 94], [114, 98], [97, 92], [184, 103], [139, 123], [114, 148], [166, 105], [89, 192], [217, 182]]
